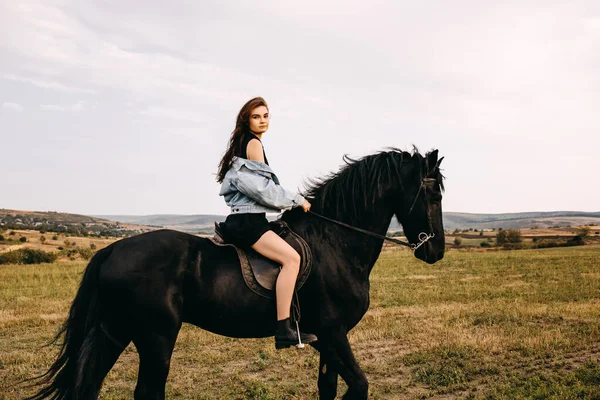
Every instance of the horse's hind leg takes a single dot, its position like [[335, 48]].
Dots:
[[112, 349], [155, 352]]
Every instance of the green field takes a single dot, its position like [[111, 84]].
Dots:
[[477, 325]]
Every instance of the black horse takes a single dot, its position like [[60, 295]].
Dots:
[[141, 289]]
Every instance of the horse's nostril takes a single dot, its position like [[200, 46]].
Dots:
[[440, 255]]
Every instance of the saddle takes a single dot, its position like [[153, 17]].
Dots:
[[260, 273]]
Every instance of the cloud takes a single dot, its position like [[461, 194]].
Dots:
[[319, 101], [12, 107], [172, 113], [48, 84], [77, 107], [58, 46]]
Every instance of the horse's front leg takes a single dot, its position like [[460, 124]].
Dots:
[[328, 376], [341, 358]]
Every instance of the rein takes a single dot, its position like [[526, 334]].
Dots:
[[423, 237]]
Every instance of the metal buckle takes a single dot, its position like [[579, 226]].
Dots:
[[423, 237]]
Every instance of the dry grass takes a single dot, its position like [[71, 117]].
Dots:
[[50, 245], [489, 325]]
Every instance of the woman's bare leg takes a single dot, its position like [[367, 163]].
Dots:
[[272, 246]]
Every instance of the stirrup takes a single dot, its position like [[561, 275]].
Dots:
[[300, 345]]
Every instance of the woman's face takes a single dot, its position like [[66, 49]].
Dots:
[[259, 119]]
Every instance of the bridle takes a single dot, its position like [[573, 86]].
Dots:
[[423, 236]]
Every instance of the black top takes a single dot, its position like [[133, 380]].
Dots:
[[247, 138]]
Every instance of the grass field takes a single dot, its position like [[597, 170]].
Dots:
[[477, 325]]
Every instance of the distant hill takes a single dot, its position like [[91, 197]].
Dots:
[[203, 223], [73, 224], [520, 220], [53, 216], [165, 219]]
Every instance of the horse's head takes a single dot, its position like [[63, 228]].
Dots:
[[365, 193], [420, 211]]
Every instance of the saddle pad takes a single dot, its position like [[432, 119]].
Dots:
[[260, 273]]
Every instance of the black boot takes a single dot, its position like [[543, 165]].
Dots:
[[286, 336]]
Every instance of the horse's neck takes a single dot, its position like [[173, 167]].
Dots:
[[379, 223], [364, 249]]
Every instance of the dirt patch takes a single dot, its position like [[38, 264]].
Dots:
[[594, 275], [53, 317], [516, 284], [421, 277]]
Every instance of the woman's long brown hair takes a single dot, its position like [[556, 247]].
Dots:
[[242, 126]]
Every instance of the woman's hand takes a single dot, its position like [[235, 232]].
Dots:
[[306, 206]]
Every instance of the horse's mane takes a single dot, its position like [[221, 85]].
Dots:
[[361, 181]]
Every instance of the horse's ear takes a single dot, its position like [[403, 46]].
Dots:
[[432, 159], [437, 165]]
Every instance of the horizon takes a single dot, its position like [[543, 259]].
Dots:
[[173, 214]]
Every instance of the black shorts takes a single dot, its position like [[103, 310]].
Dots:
[[244, 229]]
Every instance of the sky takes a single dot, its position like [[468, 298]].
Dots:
[[119, 107]]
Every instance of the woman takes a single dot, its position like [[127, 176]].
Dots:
[[251, 189]]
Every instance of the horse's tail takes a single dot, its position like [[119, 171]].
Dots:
[[72, 374]]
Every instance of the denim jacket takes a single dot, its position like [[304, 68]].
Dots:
[[252, 187]]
